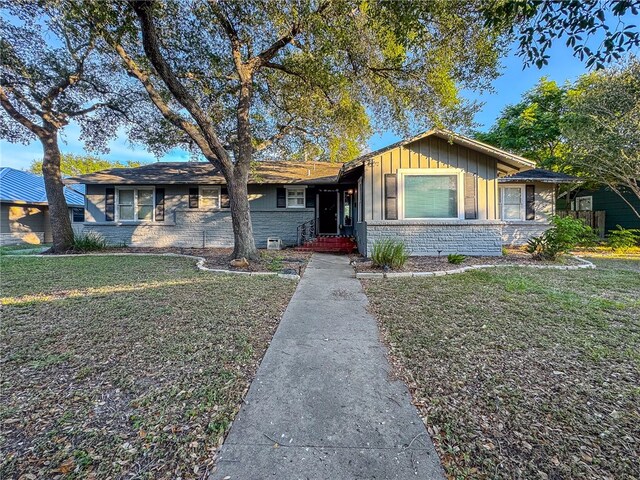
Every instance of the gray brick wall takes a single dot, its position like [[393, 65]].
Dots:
[[425, 238], [198, 228], [517, 233]]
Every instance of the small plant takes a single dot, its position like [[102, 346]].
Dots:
[[565, 234], [455, 258], [623, 239], [275, 264], [505, 251], [89, 242], [389, 254]]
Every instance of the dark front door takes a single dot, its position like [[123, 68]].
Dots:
[[328, 213]]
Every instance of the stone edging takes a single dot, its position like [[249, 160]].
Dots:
[[439, 273], [200, 262]]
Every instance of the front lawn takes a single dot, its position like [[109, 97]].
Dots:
[[117, 367], [523, 373]]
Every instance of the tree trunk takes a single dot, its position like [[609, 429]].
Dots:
[[58, 210], [244, 244]]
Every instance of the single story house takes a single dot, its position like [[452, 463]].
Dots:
[[439, 192], [24, 210]]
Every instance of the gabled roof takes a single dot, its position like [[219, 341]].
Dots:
[[204, 173], [510, 159], [540, 175], [17, 186]]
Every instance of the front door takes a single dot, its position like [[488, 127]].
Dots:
[[327, 213]]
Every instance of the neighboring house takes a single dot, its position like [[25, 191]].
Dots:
[[526, 202], [616, 210], [438, 192], [24, 211]]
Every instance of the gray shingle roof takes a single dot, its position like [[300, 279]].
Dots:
[[24, 187], [539, 175], [204, 173]]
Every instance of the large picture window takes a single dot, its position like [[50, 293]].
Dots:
[[432, 193], [512, 203], [135, 204]]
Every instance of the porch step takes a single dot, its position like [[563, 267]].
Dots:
[[334, 244]]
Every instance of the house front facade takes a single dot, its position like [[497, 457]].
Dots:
[[438, 192]]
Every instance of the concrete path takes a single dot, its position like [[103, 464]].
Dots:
[[322, 405]]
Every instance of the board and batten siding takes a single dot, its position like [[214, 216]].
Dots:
[[431, 152]]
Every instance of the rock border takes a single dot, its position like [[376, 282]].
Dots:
[[200, 264], [439, 273]]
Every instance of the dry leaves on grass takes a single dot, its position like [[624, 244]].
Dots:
[[137, 374], [522, 374]]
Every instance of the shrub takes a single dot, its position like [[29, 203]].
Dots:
[[389, 254], [89, 242], [565, 234], [623, 239], [455, 258]]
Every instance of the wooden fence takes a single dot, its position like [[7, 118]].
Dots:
[[595, 219]]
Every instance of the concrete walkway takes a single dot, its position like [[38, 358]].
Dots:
[[322, 405]]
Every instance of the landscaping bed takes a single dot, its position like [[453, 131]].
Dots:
[[287, 260], [522, 373], [125, 367], [512, 256]]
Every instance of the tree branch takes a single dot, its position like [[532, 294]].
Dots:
[[152, 50], [18, 117]]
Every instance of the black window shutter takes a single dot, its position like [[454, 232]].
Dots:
[[224, 198], [470, 196], [159, 204], [531, 202], [193, 197], [391, 196], [310, 196], [110, 204], [281, 195]]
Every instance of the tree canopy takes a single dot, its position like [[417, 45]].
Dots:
[[595, 30], [72, 165], [533, 127], [602, 127]]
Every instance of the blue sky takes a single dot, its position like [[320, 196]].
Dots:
[[508, 89]]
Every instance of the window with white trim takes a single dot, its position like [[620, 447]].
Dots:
[[77, 214], [512, 203], [436, 193], [295, 197], [135, 204], [584, 203], [209, 197]]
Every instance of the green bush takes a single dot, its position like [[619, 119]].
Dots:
[[565, 234], [89, 242], [622, 239], [455, 258], [389, 254]]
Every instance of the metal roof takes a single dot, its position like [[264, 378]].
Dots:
[[17, 186], [204, 173], [539, 175]]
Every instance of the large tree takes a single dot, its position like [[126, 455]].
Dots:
[[533, 127], [603, 127], [255, 80], [72, 165], [50, 76]]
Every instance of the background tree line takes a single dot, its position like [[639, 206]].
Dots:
[[589, 128]]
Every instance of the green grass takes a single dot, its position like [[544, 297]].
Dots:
[[28, 248], [523, 373], [125, 366]]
